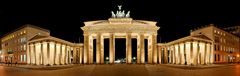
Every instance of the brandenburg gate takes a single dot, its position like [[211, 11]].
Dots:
[[120, 25]]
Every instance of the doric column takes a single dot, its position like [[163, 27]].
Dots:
[[38, 52], [194, 53], [202, 52], [90, 50], [63, 55], [181, 53], [138, 49], [208, 59], [187, 52], [68, 54], [150, 49], [128, 48], [32, 53], [154, 48], [51, 52], [80, 54], [165, 55], [170, 55], [28, 54], [176, 54], [99, 39], [102, 50], [86, 48], [159, 54], [112, 48], [45, 53], [142, 48], [58, 53]]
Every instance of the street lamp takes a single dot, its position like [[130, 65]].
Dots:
[[107, 58], [134, 58]]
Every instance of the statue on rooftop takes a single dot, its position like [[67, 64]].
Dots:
[[120, 13]]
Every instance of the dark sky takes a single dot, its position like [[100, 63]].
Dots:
[[64, 19]]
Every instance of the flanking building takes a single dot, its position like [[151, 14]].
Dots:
[[33, 45], [14, 44], [205, 45]]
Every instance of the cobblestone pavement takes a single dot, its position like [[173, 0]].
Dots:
[[125, 70]]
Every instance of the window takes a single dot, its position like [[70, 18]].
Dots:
[[24, 47], [25, 58], [21, 58], [21, 47], [215, 31], [23, 40]]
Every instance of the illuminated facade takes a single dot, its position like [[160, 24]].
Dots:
[[190, 50], [226, 45], [48, 50], [120, 26], [14, 44], [205, 45]]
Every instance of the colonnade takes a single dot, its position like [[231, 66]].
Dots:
[[49, 53], [189, 53], [88, 47]]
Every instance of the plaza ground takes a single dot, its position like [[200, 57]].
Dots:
[[122, 70]]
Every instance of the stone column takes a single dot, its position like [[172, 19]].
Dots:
[[86, 48], [128, 48], [98, 52], [38, 52], [188, 50], [63, 55], [208, 59], [194, 52], [28, 54], [102, 50], [150, 48], [138, 50], [32, 53], [181, 53], [176, 47], [142, 48], [154, 48], [165, 55], [90, 50], [174, 55], [159, 54], [58, 51], [51, 53], [81, 54], [45, 53], [112, 49]]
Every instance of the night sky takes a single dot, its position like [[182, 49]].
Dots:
[[64, 19]]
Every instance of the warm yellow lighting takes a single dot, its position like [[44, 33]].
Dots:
[[134, 58], [238, 55], [107, 58]]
